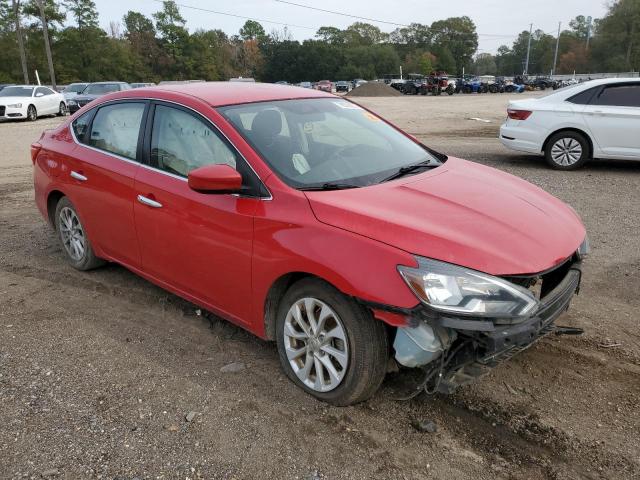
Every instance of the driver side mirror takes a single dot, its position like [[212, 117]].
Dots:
[[215, 179], [39, 94]]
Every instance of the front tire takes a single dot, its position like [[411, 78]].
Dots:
[[567, 150], [32, 113], [62, 109], [329, 345], [73, 238]]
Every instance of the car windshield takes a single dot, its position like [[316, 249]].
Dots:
[[16, 92], [76, 88], [311, 143], [101, 88]]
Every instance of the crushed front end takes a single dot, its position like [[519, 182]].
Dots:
[[468, 322]]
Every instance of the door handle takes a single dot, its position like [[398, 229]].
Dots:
[[148, 202], [78, 176]]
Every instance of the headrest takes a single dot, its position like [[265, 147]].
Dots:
[[267, 124]]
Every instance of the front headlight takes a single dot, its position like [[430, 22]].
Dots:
[[450, 288], [584, 249], [71, 102], [15, 105]]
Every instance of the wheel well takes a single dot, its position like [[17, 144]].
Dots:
[[52, 202], [575, 130], [272, 302]]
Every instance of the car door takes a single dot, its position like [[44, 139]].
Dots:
[[100, 173], [613, 117], [197, 244], [44, 98]]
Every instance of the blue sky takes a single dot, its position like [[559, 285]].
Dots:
[[497, 21]]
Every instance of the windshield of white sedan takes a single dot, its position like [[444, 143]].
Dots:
[[16, 92], [327, 143]]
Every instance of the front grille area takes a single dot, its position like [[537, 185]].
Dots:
[[542, 284]]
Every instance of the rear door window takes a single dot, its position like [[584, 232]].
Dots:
[[622, 95], [116, 128]]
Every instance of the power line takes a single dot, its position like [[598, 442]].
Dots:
[[238, 16], [343, 14], [498, 35]]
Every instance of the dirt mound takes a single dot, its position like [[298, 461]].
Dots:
[[374, 89]]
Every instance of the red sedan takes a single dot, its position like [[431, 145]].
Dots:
[[311, 221]]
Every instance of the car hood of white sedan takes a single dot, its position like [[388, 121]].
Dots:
[[13, 100]]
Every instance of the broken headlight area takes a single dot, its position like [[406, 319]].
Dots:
[[456, 348]]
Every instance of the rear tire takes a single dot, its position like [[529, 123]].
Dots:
[[73, 238], [567, 150], [347, 345]]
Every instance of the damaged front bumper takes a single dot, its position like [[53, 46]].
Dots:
[[469, 348]]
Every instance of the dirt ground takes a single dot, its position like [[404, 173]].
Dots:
[[98, 370]]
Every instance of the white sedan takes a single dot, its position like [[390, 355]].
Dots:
[[29, 101], [595, 119]]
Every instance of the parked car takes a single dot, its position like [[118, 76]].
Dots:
[[324, 86], [473, 85], [294, 215], [305, 85], [73, 89], [243, 79], [596, 119], [93, 91], [30, 102], [142, 85], [343, 86], [282, 82]]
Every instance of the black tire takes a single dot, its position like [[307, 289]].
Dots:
[[467, 89], [62, 109], [567, 137], [32, 113], [88, 259], [367, 342]]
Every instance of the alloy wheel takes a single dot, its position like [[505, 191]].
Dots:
[[31, 113], [63, 109], [316, 344], [566, 151], [72, 233]]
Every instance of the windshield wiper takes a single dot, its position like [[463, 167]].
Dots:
[[402, 171], [329, 186]]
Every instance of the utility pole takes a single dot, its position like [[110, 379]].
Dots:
[[589, 19], [23, 56], [526, 65], [555, 57], [47, 46]]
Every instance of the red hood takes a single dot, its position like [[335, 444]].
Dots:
[[462, 213]]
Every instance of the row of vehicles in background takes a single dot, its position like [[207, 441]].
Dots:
[[439, 82], [344, 86], [32, 101]]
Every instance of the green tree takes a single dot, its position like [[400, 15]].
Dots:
[[252, 30], [84, 12], [456, 36]]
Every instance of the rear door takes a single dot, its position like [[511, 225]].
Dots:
[[100, 173], [613, 116], [197, 244]]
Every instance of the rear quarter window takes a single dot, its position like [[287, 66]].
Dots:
[[583, 98]]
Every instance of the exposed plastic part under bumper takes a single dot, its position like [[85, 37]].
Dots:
[[487, 348]]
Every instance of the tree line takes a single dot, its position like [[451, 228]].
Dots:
[[160, 47]]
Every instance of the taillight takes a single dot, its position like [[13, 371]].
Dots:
[[35, 149], [518, 114]]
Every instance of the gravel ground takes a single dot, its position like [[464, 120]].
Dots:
[[103, 375]]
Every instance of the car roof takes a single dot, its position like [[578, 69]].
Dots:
[[218, 94], [606, 81]]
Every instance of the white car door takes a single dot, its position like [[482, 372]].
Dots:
[[613, 116]]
